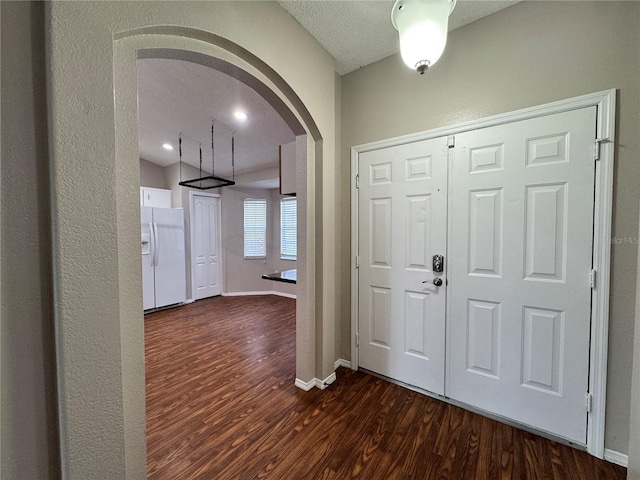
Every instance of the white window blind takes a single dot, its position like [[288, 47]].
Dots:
[[288, 229], [255, 228]]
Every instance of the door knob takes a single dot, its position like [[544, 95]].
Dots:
[[436, 281]]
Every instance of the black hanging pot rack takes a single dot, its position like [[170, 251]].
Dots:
[[209, 181]]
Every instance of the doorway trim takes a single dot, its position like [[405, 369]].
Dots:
[[605, 102], [192, 195]]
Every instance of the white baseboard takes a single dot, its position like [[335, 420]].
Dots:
[[322, 384], [306, 386], [189, 300], [341, 362], [283, 294], [616, 457], [316, 382], [269, 292]]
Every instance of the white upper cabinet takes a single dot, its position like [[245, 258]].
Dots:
[[155, 197]]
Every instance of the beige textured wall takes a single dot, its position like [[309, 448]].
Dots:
[[151, 175], [634, 421], [245, 275], [526, 55], [98, 301], [28, 428]]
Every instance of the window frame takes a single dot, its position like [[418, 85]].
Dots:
[[261, 256], [284, 255]]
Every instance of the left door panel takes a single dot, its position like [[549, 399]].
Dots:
[[402, 225]]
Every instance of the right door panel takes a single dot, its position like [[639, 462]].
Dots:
[[521, 213]]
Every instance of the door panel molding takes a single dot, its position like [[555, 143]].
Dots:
[[541, 151]]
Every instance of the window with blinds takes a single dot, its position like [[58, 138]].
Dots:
[[288, 229], [255, 228]]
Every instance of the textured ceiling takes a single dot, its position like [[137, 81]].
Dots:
[[359, 32], [175, 96]]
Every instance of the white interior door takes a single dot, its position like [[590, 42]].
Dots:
[[170, 271], [402, 224], [206, 254], [520, 260]]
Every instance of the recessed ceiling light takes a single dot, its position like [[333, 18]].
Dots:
[[241, 116], [167, 146]]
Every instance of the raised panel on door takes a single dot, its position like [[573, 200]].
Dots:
[[200, 248], [402, 211], [521, 253]]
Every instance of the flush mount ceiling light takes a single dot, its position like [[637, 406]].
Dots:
[[167, 146], [240, 116], [423, 29]]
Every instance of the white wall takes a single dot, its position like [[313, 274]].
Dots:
[[528, 54], [28, 420], [151, 175]]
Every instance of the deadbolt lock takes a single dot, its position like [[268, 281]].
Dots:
[[438, 263]]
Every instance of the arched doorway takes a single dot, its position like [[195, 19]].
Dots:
[[218, 53], [96, 259]]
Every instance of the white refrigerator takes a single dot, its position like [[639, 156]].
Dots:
[[163, 257]]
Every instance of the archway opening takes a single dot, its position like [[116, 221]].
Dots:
[[213, 51]]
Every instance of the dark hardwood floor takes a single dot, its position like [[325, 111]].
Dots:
[[221, 404]]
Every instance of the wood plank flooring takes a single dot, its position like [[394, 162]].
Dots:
[[221, 404]]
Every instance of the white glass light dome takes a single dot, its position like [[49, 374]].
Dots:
[[423, 29]]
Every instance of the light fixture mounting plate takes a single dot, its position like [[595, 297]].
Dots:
[[397, 8]]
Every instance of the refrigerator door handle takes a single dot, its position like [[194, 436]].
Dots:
[[155, 243], [152, 243]]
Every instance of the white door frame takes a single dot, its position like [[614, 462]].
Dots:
[[605, 102], [192, 195]]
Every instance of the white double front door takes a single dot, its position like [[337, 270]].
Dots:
[[510, 208]]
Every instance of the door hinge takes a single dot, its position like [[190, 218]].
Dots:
[[357, 261], [596, 147], [358, 181], [588, 402], [451, 141], [357, 339], [592, 278]]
